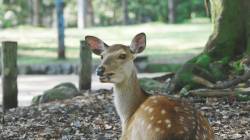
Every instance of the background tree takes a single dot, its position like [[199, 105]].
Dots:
[[226, 52], [171, 11], [36, 12], [125, 12], [85, 13]]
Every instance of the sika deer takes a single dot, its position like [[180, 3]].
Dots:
[[145, 117]]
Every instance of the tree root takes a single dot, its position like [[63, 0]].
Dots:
[[218, 92], [234, 82], [164, 77]]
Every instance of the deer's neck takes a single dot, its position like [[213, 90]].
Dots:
[[128, 96]]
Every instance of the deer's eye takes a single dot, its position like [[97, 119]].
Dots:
[[101, 56], [122, 56]]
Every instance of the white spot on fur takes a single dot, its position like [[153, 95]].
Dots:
[[155, 101], [146, 108], [150, 110], [163, 111], [185, 129], [167, 121], [142, 105], [151, 118], [159, 121], [181, 132], [169, 125], [157, 129]]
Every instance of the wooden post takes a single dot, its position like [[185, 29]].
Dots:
[[9, 74], [85, 67], [60, 28]]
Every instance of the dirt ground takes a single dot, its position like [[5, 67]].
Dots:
[[93, 116]]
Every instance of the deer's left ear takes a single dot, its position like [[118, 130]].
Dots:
[[138, 43]]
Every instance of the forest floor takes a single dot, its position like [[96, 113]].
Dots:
[[93, 116]]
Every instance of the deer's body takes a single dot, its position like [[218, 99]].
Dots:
[[145, 117]]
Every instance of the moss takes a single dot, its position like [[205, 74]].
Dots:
[[203, 60], [224, 60]]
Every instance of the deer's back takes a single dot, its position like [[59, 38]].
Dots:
[[162, 118]]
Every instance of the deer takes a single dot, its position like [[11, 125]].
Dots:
[[144, 116]]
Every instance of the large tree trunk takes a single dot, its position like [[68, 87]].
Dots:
[[226, 50]]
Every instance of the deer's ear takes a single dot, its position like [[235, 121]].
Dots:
[[138, 43], [96, 45]]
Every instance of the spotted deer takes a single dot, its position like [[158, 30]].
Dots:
[[144, 117]]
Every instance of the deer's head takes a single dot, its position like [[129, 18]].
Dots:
[[116, 60]]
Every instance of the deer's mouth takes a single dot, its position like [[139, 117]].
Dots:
[[106, 77]]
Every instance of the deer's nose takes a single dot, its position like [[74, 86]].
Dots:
[[100, 70]]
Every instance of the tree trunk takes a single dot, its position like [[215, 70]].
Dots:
[[225, 51], [91, 13], [36, 13], [60, 28], [171, 11], [125, 12], [85, 14]]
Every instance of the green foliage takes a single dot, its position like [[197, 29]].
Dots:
[[109, 12], [148, 10], [106, 12]]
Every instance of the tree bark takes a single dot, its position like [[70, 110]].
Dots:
[[171, 11], [225, 50], [36, 13], [85, 14], [60, 29], [125, 12]]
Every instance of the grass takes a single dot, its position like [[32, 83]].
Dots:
[[165, 43]]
